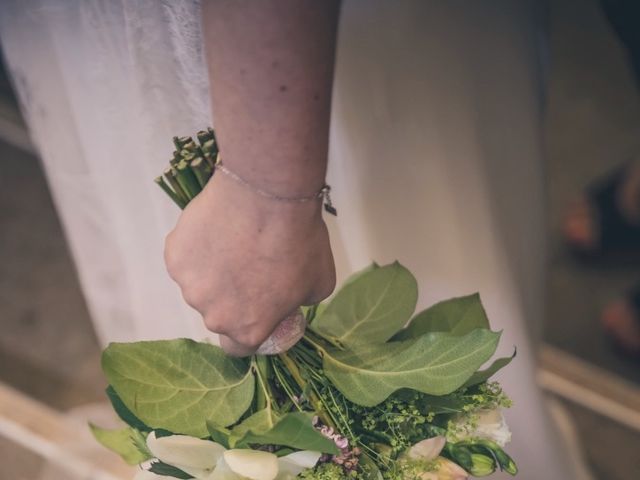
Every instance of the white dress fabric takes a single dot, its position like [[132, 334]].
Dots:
[[435, 158]]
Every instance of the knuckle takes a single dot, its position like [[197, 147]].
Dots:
[[191, 297], [232, 348], [170, 257], [216, 323], [328, 286], [323, 288], [195, 294], [251, 338]]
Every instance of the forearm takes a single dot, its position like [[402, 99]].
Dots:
[[271, 71]]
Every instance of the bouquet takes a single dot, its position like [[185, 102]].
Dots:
[[371, 391]]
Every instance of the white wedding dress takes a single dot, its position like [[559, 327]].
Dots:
[[435, 158]]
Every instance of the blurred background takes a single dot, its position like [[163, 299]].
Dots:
[[50, 378]]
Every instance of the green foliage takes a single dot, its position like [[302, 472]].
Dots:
[[127, 442], [368, 468], [124, 413], [219, 434], [166, 470], [358, 275], [484, 375], [399, 422], [457, 316], [492, 450], [291, 430], [481, 465], [380, 388], [436, 364], [370, 308], [178, 385], [324, 471]]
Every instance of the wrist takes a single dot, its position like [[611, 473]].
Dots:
[[323, 194], [280, 177], [225, 190]]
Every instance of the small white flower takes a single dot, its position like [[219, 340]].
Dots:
[[253, 464], [290, 466], [444, 469], [487, 424], [447, 470], [206, 460], [427, 449], [192, 455], [492, 426]]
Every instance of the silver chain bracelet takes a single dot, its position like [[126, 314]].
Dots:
[[323, 194]]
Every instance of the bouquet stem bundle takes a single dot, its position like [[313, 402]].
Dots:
[[190, 168]]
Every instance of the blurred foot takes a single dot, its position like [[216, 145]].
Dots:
[[621, 320], [579, 225], [607, 216]]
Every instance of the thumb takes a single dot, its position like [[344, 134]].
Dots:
[[286, 334]]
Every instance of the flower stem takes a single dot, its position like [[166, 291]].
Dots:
[[171, 176], [187, 179], [293, 370], [202, 170], [167, 189], [264, 394]]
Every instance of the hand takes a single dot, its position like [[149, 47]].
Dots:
[[246, 262]]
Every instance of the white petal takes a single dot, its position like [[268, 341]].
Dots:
[[293, 464], [253, 464], [427, 449], [428, 476], [448, 470], [197, 473], [183, 451], [489, 416], [492, 425], [222, 472]]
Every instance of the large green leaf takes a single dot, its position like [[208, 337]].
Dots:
[[127, 442], [436, 364], [357, 275], [178, 385], [370, 308], [290, 430], [490, 371], [457, 316], [313, 311], [123, 412]]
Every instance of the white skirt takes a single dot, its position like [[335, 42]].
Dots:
[[435, 159]]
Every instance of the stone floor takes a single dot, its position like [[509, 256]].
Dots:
[[48, 348], [46, 330]]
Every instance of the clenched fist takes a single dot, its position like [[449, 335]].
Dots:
[[246, 262]]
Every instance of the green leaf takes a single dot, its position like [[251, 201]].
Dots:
[[290, 430], [357, 275], [166, 470], [219, 434], [312, 311], [123, 412], [436, 364], [370, 308], [432, 403], [457, 316], [309, 311], [178, 385], [370, 470], [139, 440], [487, 373], [127, 442]]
